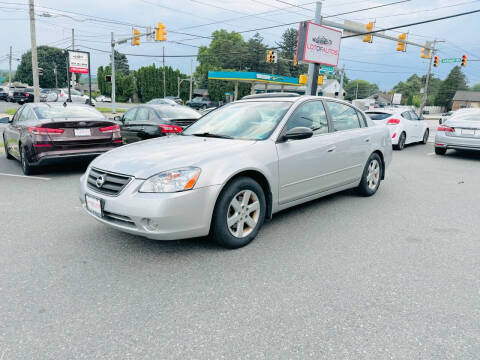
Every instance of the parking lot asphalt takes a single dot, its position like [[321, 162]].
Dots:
[[394, 276]]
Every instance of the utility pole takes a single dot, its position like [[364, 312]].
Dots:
[[314, 68], [33, 40], [73, 39], [356, 92], [55, 72], [10, 68], [427, 79], [178, 86], [113, 75], [191, 77], [342, 76], [164, 85]]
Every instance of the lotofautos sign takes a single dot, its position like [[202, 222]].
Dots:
[[78, 62], [318, 44]]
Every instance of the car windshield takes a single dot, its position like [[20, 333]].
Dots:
[[161, 101], [378, 115], [177, 112], [67, 112], [244, 120]]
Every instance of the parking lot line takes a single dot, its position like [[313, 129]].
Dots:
[[26, 177]]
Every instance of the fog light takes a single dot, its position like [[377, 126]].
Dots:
[[151, 225]]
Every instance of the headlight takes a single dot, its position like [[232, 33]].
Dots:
[[171, 181]]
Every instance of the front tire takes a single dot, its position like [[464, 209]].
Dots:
[[372, 176], [401, 142], [239, 213], [425, 137], [26, 167], [440, 151]]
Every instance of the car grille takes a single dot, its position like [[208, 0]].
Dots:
[[113, 183], [183, 123]]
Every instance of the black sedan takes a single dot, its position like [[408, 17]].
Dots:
[[150, 121], [23, 96], [45, 133]]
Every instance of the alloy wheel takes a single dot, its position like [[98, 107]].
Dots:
[[373, 174], [243, 213]]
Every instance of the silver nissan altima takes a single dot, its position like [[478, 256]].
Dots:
[[235, 167]]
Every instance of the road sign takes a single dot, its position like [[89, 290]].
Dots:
[[325, 69], [78, 62], [318, 44], [451, 60]]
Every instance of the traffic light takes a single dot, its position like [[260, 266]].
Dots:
[[369, 27], [436, 59], [426, 53], [320, 80], [400, 44], [108, 78], [303, 79], [464, 60], [160, 32], [40, 71], [271, 57], [136, 37]]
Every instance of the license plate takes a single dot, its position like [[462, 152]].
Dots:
[[94, 205], [82, 132], [468, 132]]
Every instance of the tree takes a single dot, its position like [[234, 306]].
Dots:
[[455, 80], [121, 63], [475, 87], [359, 89], [287, 49], [48, 57]]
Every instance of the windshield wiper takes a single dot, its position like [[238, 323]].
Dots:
[[207, 134]]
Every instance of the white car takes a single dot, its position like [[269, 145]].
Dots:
[[77, 96], [103, 98], [404, 124]]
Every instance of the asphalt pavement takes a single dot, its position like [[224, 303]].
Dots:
[[394, 276]]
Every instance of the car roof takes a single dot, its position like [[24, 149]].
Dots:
[[292, 99]]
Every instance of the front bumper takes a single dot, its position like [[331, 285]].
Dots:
[[158, 216], [456, 142]]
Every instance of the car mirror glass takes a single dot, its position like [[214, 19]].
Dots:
[[4, 120], [298, 133], [118, 118]]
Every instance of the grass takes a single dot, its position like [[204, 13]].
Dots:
[[10, 111], [109, 110]]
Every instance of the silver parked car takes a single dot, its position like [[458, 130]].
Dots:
[[461, 131], [235, 167]]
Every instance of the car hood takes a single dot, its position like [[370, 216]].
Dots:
[[147, 158]]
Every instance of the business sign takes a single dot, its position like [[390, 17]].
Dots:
[[78, 62], [451, 60], [397, 99], [251, 77], [318, 44]]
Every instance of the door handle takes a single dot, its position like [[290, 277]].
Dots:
[[332, 149], [367, 140]]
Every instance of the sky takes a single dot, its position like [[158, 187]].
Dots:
[[376, 62]]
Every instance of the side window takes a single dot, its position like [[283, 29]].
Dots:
[[413, 115], [361, 118], [344, 117], [312, 115], [406, 115], [27, 114], [17, 115], [129, 116], [151, 115], [142, 114]]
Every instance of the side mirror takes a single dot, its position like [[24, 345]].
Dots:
[[118, 118], [298, 133], [4, 120]]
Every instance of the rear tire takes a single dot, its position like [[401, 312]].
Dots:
[[401, 142], [425, 137], [440, 150], [372, 176], [26, 167], [7, 154], [239, 213]]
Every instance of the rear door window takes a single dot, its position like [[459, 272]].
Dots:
[[344, 117], [413, 115], [406, 115], [142, 114]]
